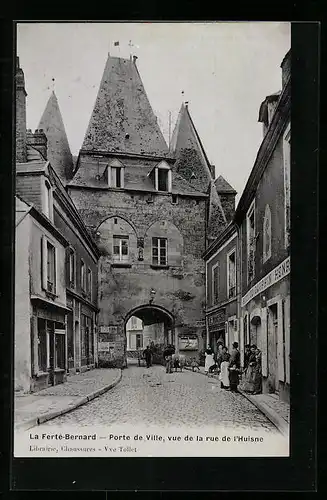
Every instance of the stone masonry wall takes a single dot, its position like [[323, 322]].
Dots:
[[180, 288]]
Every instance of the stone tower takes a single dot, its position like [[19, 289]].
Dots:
[[149, 217]]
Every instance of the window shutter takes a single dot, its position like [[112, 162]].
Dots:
[[122, 175], [264, 342], [280, 343], [56, 280], [44, 277], [287, 338]]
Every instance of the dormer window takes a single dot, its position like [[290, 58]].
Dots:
[[116, 174], [163, 177]]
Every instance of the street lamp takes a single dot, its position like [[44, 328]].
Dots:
[[152, 295]]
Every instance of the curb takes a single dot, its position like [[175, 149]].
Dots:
[[71, 406], [271, 415], [274, 418]]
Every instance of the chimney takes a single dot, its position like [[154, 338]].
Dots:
[[134, 59], [21, 151], [213, 171], [286, 68], [38, 141]]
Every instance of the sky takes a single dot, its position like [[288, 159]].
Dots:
[[224, 70]]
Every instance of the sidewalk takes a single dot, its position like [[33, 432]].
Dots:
[[36, 408], [277, 411]]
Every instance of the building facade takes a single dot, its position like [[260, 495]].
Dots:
[[152, 211], [40, 301], [222, 289], [63, 283], [263, 220]]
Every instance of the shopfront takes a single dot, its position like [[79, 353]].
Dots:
[[49, 353]]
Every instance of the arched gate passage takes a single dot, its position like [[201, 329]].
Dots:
[[158, 330]]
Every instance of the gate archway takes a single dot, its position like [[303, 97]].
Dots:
[[158, 330]]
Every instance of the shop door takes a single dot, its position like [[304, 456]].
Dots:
[[51, 337], [272, 347]]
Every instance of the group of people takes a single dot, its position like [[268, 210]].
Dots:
[[228, 365]]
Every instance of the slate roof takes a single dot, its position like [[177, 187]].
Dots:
[[136, 178], [191, 160], [223, 186], [122, 107], [58, 150]]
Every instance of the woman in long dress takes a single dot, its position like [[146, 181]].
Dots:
[[257, 373], [209, 359], [224, 373], [253, 382]]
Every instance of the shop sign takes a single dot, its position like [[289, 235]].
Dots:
[[270, 279], [188, 342], [108, 329], [216, 319], [103, 346]]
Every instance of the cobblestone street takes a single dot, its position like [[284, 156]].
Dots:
[[152, 397]]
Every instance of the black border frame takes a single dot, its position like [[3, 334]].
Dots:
[[297, 473]]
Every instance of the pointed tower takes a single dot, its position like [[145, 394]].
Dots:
[[122, 120], [58, 152], [227, 196], [191, 160], [217, 220]]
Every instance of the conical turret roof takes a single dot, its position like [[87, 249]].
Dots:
[[223, 186], [217, 219], [122, 119], [191, 160], [58, 150]]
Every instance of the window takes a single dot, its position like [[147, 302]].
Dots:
[[89, 283], [159, 251], [116, 177], [134, 322], [83, 277], [120, 248], [287, 178], [267, 234], [71, 265], [51, 268], [116, 174], [251, 242], [139, 341], [215, 284], [231, 274], [163, 177], [47, 202]]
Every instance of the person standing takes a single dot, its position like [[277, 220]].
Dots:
[[148, 356], [168, 356], [224, 365], [209, 359], [257, 372], [234, 367], [247, 352]]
